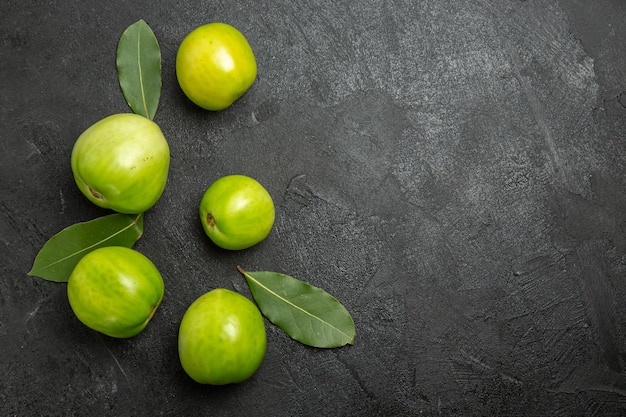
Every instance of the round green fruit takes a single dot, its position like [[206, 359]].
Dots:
[[115, 290], [222, 338], [121, 163], [236, 212], [215, 66]]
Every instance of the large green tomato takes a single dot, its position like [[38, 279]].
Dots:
[[115, 290], [222, 338], [215, 66], [236, 212], [121, 163]]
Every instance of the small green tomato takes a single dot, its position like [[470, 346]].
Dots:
[[215, 65], [115, 290], [121, 163], [222, 338], [237, 212]]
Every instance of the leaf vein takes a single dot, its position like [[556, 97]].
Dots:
[[143, 93]]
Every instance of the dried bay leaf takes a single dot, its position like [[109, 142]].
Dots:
[[139, 68], [60, 254], [306, 313]]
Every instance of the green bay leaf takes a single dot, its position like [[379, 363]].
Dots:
[[139, 68], [60, 254], [306, 313]]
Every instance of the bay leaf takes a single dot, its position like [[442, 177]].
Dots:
[[139, 68], [60, 254], [306, 313]]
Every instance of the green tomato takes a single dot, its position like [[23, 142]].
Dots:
[[215, 66], [115, 290], [222, 338], [236, 212], [121, 163]]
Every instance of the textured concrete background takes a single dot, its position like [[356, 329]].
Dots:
[[453, 171]]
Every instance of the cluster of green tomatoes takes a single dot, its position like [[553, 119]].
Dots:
[[121, 163]]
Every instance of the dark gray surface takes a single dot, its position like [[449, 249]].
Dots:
[[453, 172]]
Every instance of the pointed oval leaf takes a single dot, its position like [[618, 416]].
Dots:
[[60, 254], [139, 68], [306, 313]]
